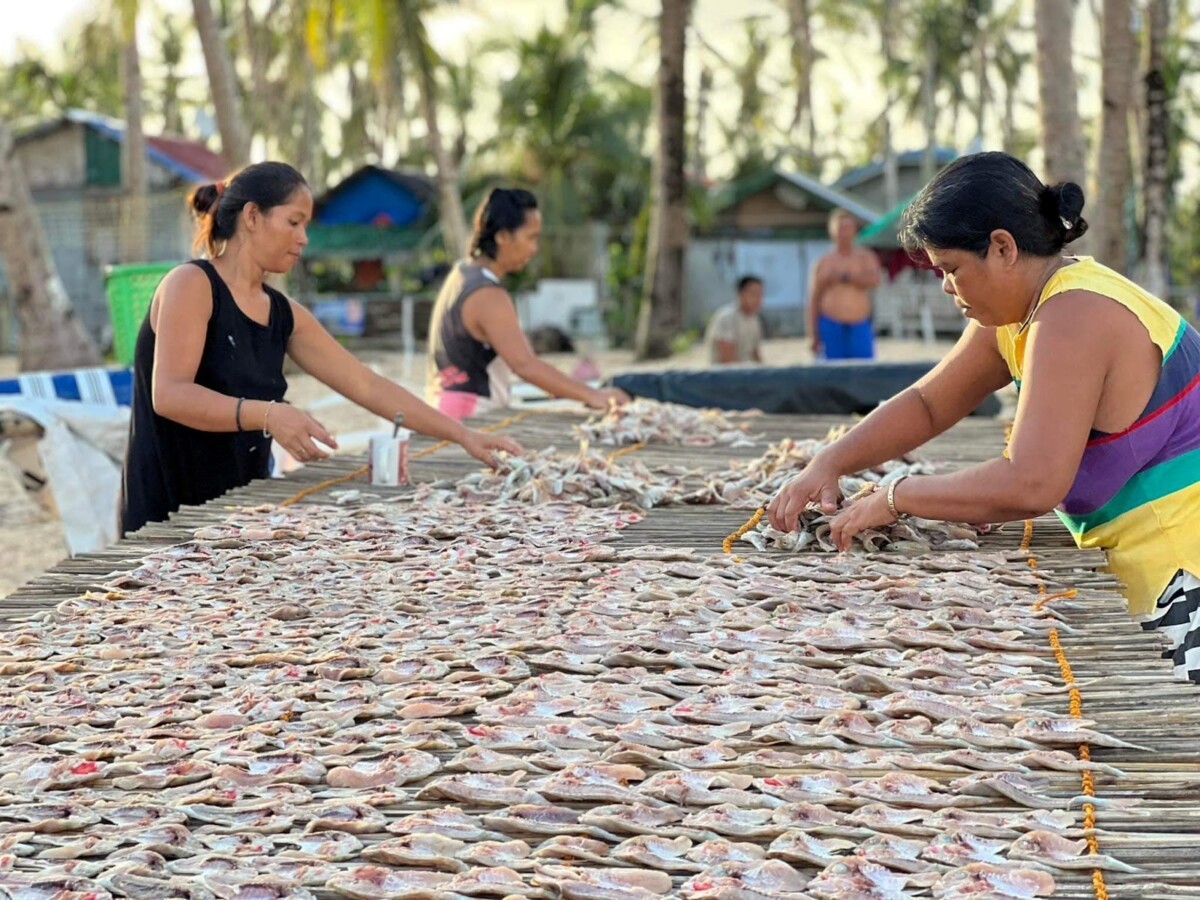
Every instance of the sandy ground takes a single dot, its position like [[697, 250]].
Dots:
[[31, 540]]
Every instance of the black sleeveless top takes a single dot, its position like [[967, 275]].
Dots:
[[168, 465], [458, 361]]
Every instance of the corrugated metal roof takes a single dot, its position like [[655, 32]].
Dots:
[[943, 156], [188, 159]]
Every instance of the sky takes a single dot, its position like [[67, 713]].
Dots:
[[846, 80]]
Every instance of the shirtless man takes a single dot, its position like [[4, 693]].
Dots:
[[839, 302]]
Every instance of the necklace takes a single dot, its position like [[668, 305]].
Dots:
[[1037, 294]]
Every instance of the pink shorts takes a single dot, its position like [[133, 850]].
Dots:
[[458, 405]]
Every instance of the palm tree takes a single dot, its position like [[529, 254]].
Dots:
[[1062, 135], [171, 47], [381, 28], [575, 134], [1113, 167], [1010, 63], [134, 176], [661, 315], [52, 336], [235, 139], [1157, 147], [425, 62], [803, 59]]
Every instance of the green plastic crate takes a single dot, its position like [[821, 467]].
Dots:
[[130, 288]]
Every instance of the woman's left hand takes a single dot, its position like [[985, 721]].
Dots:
[[870, 511], [483, 446]]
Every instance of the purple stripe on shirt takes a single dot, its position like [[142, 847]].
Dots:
[[1108, 464]]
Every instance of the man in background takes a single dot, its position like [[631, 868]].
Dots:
[[839, 298], [735, 331]]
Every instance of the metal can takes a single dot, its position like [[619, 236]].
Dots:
[[389, 456]]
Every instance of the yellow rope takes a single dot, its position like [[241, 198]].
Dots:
[[617, 454], [751, 523], [1086, 778], [330, 482], [363, 470]]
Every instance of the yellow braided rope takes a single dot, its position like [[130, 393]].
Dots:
[[1087, 779], [750, 524], [428, 451]]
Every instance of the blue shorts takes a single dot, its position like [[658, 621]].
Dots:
[[842, 341]]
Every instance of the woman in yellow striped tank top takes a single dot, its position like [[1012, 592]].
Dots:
[[1107, 429]]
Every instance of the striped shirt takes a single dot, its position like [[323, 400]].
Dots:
[[1137, 493]]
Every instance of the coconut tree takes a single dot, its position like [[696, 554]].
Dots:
[[222, 80], [1157, 147], [52, 337], [171, 49], [134, 177], [384, 29], [661, 316], [1114, 164], [1058, 105]]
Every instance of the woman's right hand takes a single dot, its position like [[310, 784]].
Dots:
[[818, 483], [603, 398], [295, 430]]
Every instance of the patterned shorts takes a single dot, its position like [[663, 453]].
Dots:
[[1177, 617]]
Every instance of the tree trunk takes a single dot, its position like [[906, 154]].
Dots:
[[1157, 136], [1062, 136], [891, 167], [235, 140], [984, 90], [134, 177], [800, 26], [661, 316], [1114, 166], [51, 335], [929, 103], [700, 162], [450, 208]]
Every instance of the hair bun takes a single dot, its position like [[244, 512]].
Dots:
[[204, 198], [1062, 204]]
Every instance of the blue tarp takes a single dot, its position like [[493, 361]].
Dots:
[[102, 387], [826, 389], [374, 196]]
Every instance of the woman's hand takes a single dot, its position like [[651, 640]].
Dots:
[[816, 484], [483, 446], [870, 511], [603, 398], [295, 431]]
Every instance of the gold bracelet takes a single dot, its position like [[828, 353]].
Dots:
[[265, 414], [891, 497]]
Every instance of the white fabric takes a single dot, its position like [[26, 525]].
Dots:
[[83, 453]]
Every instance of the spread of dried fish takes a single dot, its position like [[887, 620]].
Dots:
[[652, 422], [908, 535], [585, 477], [422, 700]]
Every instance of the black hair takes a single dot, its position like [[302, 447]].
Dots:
[[218, 206], [746, 280], [503, 209], [978, 194]]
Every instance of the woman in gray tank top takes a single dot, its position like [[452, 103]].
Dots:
[[476, 344]]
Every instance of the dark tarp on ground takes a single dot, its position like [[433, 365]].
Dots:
[[827, 389]]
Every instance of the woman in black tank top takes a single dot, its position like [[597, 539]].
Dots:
[[208, 368]]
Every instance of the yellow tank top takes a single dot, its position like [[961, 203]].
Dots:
[[1137, 493]]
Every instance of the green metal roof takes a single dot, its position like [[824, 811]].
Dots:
[[360, 241], [884, 234]]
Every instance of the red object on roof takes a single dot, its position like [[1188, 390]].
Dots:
[[191, 154]]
